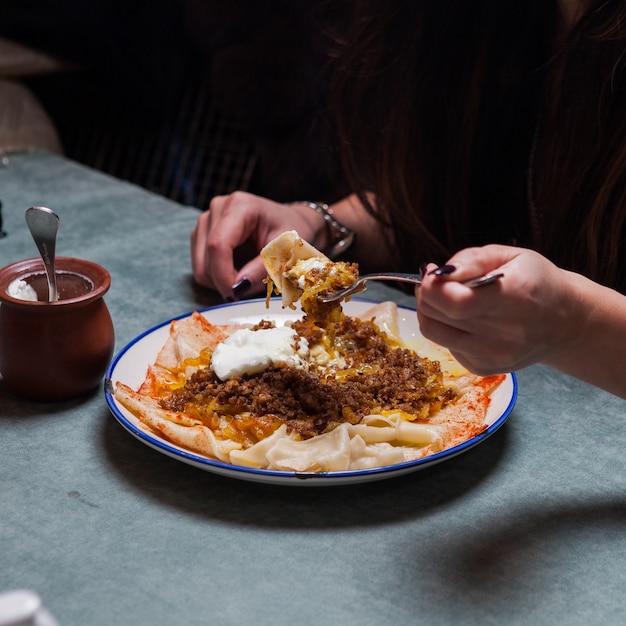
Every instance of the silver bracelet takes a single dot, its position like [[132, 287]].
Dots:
[[342, 236]]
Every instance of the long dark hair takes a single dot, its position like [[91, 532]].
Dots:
[[471, 123]]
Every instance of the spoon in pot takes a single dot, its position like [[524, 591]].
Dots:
[[43, 224]]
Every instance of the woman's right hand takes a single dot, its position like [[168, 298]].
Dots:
[[537, 313], [240, 224], [529, 316]]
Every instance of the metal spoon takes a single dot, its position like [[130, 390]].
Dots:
[[43, 224]]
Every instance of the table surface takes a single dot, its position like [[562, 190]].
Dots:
[[526, 528]]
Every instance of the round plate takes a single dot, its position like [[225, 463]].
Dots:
[[131, 363]]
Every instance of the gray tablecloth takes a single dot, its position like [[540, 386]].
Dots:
[[526, 528]]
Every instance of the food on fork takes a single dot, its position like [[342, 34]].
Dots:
[[298, 271], [324, 392]]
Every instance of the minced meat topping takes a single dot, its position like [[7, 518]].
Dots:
[[376, 377]]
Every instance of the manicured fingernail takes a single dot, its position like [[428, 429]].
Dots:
[[423, 268], [444, 270], [241, 287]]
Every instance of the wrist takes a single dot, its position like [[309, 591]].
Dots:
[[338, 236], [580, 325]]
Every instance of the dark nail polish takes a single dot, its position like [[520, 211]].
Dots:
[[444, 270], [241, 287], [423, 267]]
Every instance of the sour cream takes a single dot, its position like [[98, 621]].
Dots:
[[21, 290], [253, 351], [303, 266]]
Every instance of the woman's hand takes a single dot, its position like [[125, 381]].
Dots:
[[535, 313], [227, 239], [240, 224]]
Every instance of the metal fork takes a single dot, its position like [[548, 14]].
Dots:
[[416, 279]]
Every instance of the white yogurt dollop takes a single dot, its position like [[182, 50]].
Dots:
[[253, 351], [21, 290], [302, 266]]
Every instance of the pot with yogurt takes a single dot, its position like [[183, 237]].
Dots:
[[54, 350]]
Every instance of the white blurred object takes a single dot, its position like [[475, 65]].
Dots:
[[21, 290], [22, 607]]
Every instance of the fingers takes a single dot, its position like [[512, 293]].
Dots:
[[227, 239], [472, 263], [250, 279], [457, 304], [220, 248], [219, 232], [502, 326], [485, 350], [447, 293], [441, 332]]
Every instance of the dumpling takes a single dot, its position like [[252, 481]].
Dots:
[[282, 255]]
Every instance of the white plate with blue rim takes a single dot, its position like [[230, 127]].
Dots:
[[131, 363]]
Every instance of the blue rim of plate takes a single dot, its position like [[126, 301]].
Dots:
[[277, 476]]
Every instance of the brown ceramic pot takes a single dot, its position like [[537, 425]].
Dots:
[[55, 350]]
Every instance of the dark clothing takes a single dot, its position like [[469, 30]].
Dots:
[[190, 98]]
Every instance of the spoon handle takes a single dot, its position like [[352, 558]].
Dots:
[[43, 224]]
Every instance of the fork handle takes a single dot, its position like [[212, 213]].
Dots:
[[402, 277], [416, 279]]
